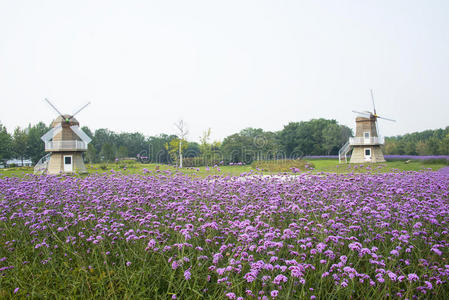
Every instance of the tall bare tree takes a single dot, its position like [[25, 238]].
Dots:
[[183, 132]]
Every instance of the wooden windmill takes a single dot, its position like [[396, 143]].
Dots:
[[65, 143], [366, 145]]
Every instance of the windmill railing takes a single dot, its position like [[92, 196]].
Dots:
[[73, 145], [357, 141], [343, 153], [42, 164]]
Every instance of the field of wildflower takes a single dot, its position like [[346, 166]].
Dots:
[[166, 235]]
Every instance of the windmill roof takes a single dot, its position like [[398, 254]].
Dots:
[[60, 120], [363, 119]]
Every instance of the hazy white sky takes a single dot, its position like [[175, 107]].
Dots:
[[226, 65]]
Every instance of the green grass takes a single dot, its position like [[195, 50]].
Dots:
[[165, 169], [332, 166], [287, 165], [321, 165], [16, 172]]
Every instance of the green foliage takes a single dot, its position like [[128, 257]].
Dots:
[[126, 164], [205, 146], [173, 148], [19, 144], [122, 152], [283, 165], [135, 143], [35, 148], [107, 152], [5, 144], [314, 137], [192, 150], [157, 152], [91, 154], [250, 144], [428, 142]]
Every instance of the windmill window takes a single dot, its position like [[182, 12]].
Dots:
[[367, 152], [67, 160], [366, 134]]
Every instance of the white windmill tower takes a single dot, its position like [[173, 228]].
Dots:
[[65, 143], [366, 145]]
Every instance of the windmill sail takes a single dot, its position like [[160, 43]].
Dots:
[[54, 107], [79, 110], [83, 136], [51, 133]]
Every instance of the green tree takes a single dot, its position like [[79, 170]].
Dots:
[[5, 144], [314, 137], [134, 142], [422, 148], [91, 154], [334, 137], [122, 152], [427, 142], [35, 146], [19, 144], [174, 147], [250, 144], [107, 152], [104, 136], [238, 148], [193, 149], [157, 151], [289, 139], [205, 146], [444, 145]]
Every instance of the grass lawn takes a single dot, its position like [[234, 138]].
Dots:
[[332, 166], [321, 165]]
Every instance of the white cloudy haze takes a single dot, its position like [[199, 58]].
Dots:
[[226, 65]]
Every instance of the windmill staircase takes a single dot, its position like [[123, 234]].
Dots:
[[343, 152], [42, 164]]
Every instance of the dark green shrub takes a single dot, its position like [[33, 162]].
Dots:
[[126, 163]]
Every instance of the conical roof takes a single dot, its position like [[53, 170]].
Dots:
[[60, 120]]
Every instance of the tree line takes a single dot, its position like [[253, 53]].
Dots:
[[428, 142], [296, 139]]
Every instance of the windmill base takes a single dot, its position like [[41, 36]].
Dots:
[[56, 163], [358, 155]]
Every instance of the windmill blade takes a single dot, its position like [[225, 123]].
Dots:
[[361, 113], [79, 110], [387, 119], [84, 137], [51, 133], [48, 101], [372, 98], [377, 129]]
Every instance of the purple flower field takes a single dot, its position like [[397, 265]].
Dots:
[[172, 236]]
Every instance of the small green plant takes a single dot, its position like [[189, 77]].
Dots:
[[283, 165], [126, 164]]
